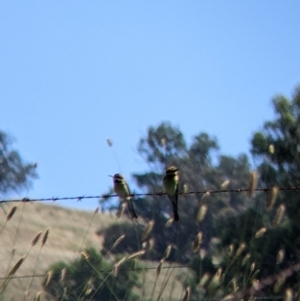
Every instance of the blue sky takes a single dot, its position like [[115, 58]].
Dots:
[[73, 73]]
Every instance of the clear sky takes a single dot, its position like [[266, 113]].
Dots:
[[73, 73]]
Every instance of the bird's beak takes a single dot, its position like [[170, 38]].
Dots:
[[110, 176]]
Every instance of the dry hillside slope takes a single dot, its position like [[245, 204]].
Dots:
[[70, 230]]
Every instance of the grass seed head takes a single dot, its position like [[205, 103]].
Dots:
[[118, 241], [252, 267], [117, 265], [147, 230], [158, 269], [225, 184], [197, 242], [278, 216], [252, 183], [63, 275], [167, 252], [187, 294], [234, 285], [288, 296], [202, 253], [169, 222], [229, 297], [151, 243], [241, 248], [45, 237], [136, 254], [11, 213], [204, 196], [84, 255], [27, 295], [216, 279], [115, 270], [201, 213], [204, 279], [38, 296], [36, 239], [278, 284], [260, 232], [185, 189], [47, 279], [272, 198], [16, 266], [255, 284], [230, 250], [245, 259], [121, 261], [280, 256], [271, 149]]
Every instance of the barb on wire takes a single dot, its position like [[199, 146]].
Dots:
[[160, 193]]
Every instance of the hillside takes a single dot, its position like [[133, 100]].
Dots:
[[70, 230]]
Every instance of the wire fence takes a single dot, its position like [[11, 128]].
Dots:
[[251, 291], [159, 194]]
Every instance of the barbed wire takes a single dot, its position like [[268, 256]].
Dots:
[[232, 297], [107, 196], [107, 271], [100, 271]]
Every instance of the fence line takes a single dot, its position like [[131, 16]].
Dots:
[[232, 297], [107, 196], [109, 271]]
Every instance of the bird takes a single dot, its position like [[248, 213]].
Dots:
[[171, 186], [121, 188]]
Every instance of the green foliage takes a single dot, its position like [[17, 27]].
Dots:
[[14, 173], [129, 244], [281, 168], [91, 278]]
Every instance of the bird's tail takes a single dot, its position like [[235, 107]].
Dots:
[[175, 212], [130, 208], [173, 200]]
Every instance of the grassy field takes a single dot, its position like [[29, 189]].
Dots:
[[70, 231]]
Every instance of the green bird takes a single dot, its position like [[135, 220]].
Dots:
[[171, 186], [121, 188]]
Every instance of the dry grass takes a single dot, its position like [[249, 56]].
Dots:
[[67, 228], [70, 232], [173, 289]]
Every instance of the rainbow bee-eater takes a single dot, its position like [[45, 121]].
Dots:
[[121, 188], [171, 186]]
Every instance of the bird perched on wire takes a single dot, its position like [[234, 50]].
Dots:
[[171, 186], [121, 188]]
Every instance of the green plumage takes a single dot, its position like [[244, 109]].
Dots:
[[171, 187], [121, 188]]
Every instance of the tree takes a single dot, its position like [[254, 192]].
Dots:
[[255, 238], [277, 149], [14, 173], [91, 277], [268, 246]]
